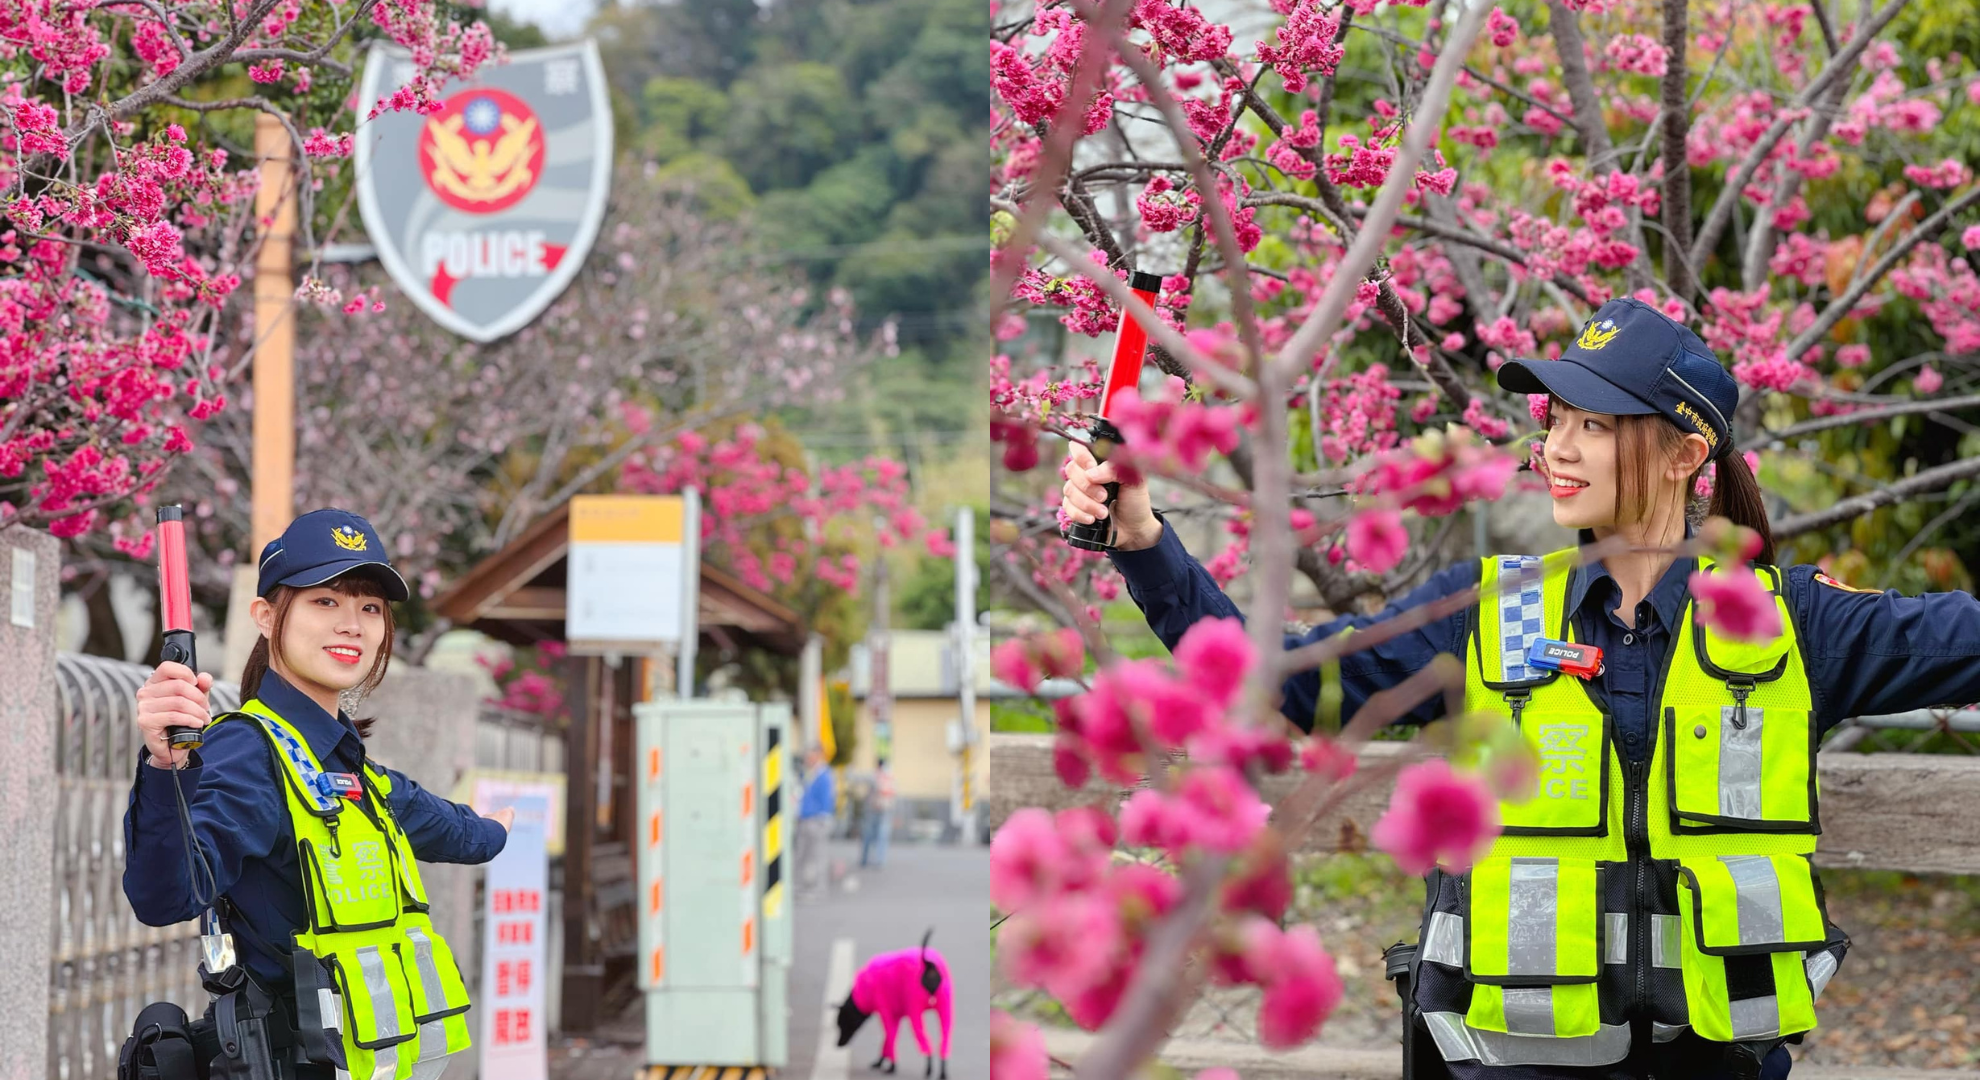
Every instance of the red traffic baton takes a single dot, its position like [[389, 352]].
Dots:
[[1130, 349]]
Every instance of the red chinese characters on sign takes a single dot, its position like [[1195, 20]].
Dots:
[[511, 977], [510, 901], [511, 1026], [515, 932]]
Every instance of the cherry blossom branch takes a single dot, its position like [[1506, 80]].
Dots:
[[1470, 72], [1222, 229], [1676, 196], [1061, 134], [197, 64], [1141, 1025], [1224, 379], [1857, 505], [1905, 408], [1327, 314], [179, 42], [1928, 229], [1839, 67]]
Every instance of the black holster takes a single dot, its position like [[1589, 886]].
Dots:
[[250, 1027], [1421, 1061]]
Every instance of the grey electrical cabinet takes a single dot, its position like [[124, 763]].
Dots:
[[715, 913]]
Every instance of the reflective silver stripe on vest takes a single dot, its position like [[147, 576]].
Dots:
[[1662, 1032], [1666, 935], [1615, 937], [1739, 763], [1529, 1010], [429, 975], [1756, 1018], [433, 1033], [1532, 892], [1820, 967], [1522, 614], [1758, 892], [1458, 1042], [384, 1007], [330, 1008], [1443, 942]]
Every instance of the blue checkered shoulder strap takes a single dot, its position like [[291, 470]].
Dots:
[[1522, 615]]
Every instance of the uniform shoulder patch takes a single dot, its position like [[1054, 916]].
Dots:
[[1834, 584]]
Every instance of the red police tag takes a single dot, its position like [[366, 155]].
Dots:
[[339, 785], [1580, 660]]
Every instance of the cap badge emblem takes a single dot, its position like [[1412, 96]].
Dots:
[[1596, 335], [348, 538]]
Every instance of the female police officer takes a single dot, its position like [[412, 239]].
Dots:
[[1677, 794], [312, 848]]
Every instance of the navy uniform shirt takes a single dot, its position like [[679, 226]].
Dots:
[[1866, 653], [241, 819]]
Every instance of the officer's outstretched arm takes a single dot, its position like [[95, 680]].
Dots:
[[1175, 592], [236, 812], [1870, 653], [442, 831]]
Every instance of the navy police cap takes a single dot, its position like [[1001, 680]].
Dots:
[[1633, 360], [325, 544]]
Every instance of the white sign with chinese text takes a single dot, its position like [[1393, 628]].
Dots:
[[515, 934]]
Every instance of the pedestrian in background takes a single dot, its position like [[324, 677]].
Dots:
[[815, 816], [877, 820]]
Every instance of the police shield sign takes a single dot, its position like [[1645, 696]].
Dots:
[[484, 210]]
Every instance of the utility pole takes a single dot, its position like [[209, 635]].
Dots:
[[880, 686], [961, 799], [274, 455]]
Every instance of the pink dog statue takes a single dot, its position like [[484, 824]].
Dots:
[[896, 985]]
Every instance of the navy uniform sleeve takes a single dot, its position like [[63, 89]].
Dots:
[[442, 831], [1174, 591], [237, 813], [1870, 653]]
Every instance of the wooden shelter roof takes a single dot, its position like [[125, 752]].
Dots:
[[517, 595]]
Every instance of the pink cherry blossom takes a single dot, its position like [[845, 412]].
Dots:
[[1326, 757], [1027, 858], [1927, 381], [1733, 603], [1376, 539], [1017, 1049], [1436, 817], [1215, 656], [1301, 989]]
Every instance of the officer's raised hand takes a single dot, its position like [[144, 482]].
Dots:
[[1084, 499], [174, 696]]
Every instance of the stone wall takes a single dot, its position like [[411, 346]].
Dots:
[[27, 813]]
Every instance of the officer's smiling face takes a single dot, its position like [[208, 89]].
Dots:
[[331, 638], [1581, 461]]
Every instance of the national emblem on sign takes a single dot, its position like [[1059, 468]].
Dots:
[[482, 152]]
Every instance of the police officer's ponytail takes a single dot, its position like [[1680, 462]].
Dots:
[[1736, 497]]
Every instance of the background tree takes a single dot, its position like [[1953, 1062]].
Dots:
[[1359, 211]]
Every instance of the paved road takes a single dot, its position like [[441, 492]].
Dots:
[[875, 911]]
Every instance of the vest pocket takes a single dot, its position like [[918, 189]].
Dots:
[[1571, 792], [377, 1000], [1533, 929], [1741, 768], [1747, 923]]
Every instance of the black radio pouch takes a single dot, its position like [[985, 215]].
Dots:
[[162, 1046]]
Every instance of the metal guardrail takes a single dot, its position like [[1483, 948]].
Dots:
[[105, 964]]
